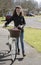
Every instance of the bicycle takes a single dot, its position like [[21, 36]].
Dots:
[[14, 34]]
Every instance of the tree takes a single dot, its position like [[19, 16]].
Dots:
[[5, 5], [31, 5]]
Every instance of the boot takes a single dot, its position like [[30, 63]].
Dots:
[[18, 51], [23, 54]]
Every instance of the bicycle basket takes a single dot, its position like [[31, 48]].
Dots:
[[14, 32]]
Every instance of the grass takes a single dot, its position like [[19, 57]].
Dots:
[[2, 18], [9, 27], [39, 20], [33, 37]]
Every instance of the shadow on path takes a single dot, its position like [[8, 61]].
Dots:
[[5, 55], [12, 61]]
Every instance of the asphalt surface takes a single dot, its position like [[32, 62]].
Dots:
[[33, 22]]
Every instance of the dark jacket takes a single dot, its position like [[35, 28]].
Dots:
[[18, 20]]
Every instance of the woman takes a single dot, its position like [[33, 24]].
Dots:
[[19, 22]]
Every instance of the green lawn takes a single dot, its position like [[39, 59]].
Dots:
[[39, 20], [2, 18], [33, 37]]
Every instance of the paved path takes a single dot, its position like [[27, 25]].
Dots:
[[33, 22], [32, 56]]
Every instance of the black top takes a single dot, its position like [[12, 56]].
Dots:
[[18, 20]]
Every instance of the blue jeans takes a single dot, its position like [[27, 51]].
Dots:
[[21, 40]]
